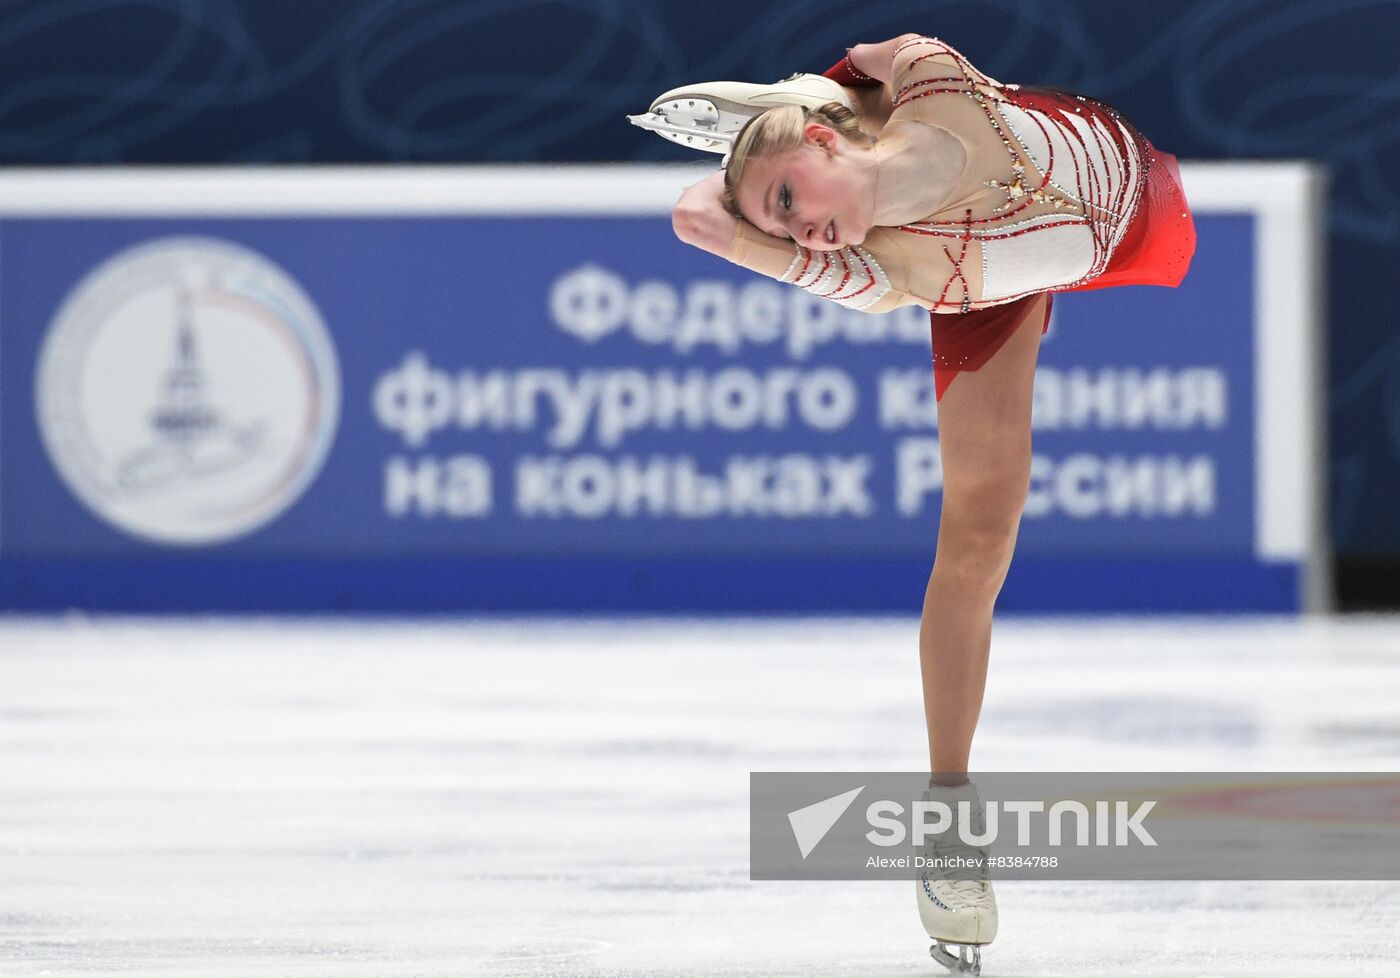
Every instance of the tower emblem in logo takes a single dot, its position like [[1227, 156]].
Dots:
[[187, 391]]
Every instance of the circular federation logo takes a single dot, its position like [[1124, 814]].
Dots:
[[187, 391]]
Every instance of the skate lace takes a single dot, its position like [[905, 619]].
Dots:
[[974, 894], [964, 884], [950, 845]]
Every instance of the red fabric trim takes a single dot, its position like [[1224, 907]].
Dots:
[[845, 73], [967, 340], [1157, 248]]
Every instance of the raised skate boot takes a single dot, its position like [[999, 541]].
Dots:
[[708, 116], [956, 902]]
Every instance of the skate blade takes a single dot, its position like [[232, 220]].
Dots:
[[968, 960], [701, 139]]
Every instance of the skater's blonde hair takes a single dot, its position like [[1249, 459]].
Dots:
[[777, 131]]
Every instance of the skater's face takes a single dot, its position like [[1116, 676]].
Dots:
[[818, 194]]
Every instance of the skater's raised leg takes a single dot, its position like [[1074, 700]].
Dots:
[[707, 115]]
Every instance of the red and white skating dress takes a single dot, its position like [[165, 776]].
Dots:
[[1060, 193]]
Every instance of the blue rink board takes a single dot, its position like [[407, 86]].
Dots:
[[391, 288], [602, 586]]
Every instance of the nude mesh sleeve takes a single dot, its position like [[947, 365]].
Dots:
[[864, 277], [923, 60]]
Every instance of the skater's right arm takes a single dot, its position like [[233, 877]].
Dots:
[[700, 220]]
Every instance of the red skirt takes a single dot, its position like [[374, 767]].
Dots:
[[1156, 250]]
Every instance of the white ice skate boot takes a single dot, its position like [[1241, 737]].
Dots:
[[956, 902], [708, 116]]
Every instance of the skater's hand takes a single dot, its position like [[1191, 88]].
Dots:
[[700, 220]]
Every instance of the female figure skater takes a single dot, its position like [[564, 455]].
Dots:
[[906, 176]]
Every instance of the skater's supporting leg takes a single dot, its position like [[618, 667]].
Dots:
[[984, 428]]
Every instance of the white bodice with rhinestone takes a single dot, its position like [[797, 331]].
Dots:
[[1053, 184]]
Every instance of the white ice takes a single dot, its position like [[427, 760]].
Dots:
[[363, 798]]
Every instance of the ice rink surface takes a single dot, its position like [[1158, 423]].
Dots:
[[381, 799]]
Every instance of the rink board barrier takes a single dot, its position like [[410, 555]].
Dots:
[[512, 389]]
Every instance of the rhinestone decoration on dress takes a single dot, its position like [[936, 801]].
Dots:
[[1075, 169]]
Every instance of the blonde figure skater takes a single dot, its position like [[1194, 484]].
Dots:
[[901, 176]]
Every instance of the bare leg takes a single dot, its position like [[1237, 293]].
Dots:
[[984, 426]]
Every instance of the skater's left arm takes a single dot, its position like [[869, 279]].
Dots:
[[877, 60]]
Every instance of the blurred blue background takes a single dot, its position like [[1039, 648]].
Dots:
[[252, 81]]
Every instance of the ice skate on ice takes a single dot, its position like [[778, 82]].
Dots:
[[956, 902], [707, 116]]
